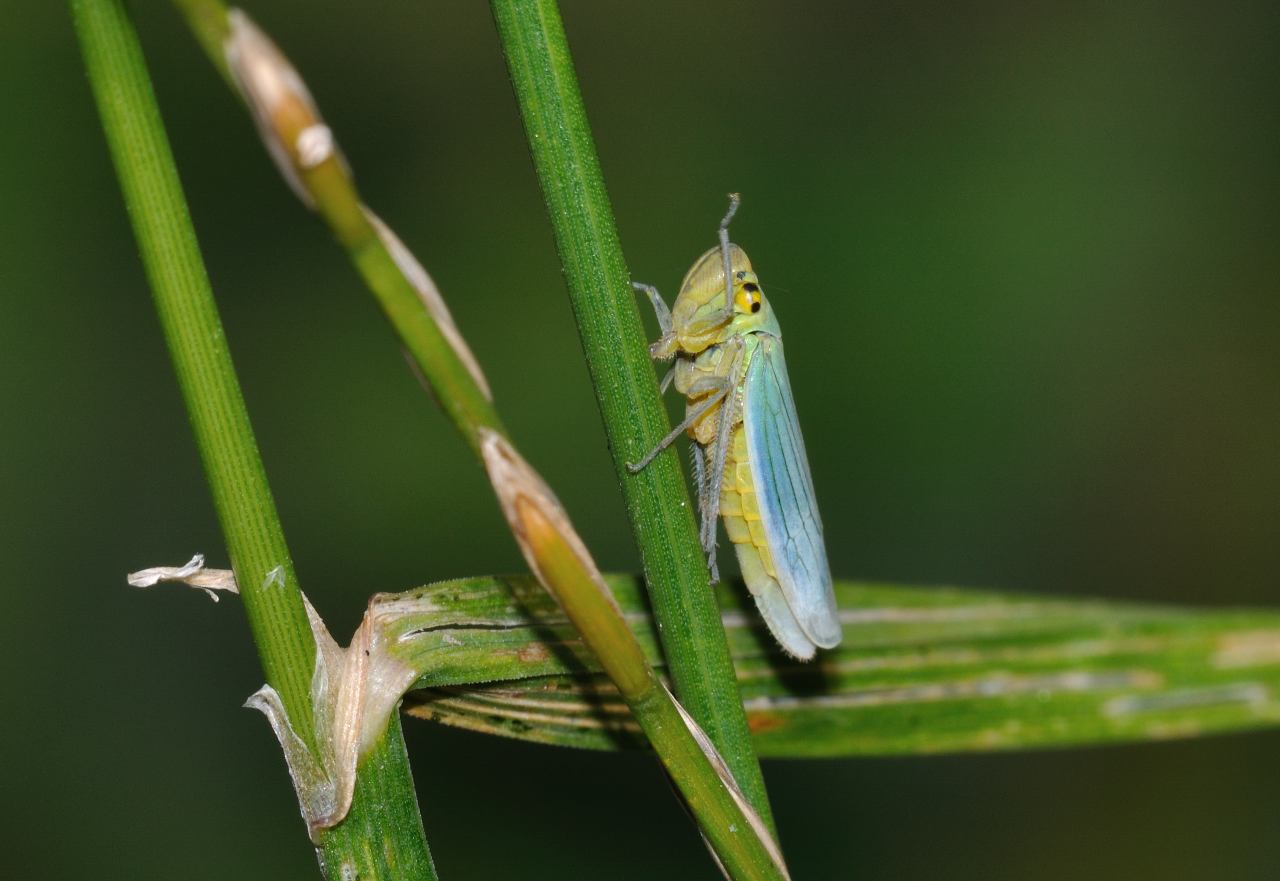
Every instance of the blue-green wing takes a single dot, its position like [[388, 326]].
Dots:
[[784, 490]]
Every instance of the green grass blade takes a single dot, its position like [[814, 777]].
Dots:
[[921, 670], [564, 157], [193, 331], [382, 836]]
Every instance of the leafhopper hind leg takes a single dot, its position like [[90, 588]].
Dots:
[[719, 455], [693, 416], [707, 511]]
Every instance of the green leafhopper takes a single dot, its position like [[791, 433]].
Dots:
[[749, 460]]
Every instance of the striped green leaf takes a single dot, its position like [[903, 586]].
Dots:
[[920, 670]]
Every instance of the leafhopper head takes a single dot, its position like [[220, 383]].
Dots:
[[699, 317]]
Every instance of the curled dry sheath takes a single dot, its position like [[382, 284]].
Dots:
[[353, 693]]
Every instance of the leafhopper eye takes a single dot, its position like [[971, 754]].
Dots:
[[748, 299]]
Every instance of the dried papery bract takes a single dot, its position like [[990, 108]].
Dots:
[[561, 562], [354, 691], [192, 573], [287, 118]]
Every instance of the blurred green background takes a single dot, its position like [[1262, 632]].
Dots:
[[1025, 260]]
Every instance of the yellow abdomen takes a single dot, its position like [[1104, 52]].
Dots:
[[741, 513]]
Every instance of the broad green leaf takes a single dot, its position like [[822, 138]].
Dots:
[[920, 670]]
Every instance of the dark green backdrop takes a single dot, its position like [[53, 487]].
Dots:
[[1025, 260]]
